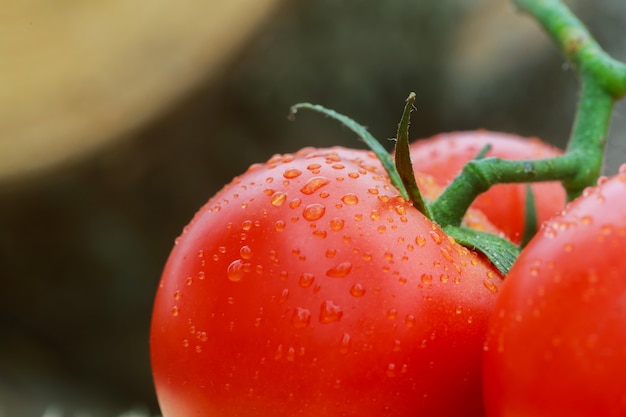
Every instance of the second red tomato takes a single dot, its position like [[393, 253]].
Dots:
[[444, 155]]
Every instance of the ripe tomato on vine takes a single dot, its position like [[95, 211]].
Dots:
[[308, 287]]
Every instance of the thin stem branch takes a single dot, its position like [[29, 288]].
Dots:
[[573, 38]]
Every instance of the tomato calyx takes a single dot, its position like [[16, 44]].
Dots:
[[403, 160], [501, 252]]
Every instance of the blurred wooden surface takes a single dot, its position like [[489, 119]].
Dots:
[[78, 73]]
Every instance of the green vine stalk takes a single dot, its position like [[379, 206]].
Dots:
[[603, 81]]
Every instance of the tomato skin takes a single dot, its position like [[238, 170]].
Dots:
[[309, 287], [556, 342], [444, 155]]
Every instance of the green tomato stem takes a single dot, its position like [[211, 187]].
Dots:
[[572, 37], [603, 80], [588, 140]]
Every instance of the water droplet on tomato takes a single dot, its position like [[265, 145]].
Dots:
[[391, 370], [314, 212], [446, 254], [426, 278], [301, 318], [350, 199], [278, 199], [279, 226], [458, 310], [409, 320], [375, 215], [283, 296], [401, 210], [314, 184], [340, 270], [336, 224], [435, 237], [235, 270], [490, 285], [344, 344], [279, 352], [357, 290], [313, 167], [330, 253], [392, 314], [246, 225], [295, 203], [292, 173], [396, 345], [175, 311], [330, 312], [306, 280], [420, 240], [320, 233], [245, 252]]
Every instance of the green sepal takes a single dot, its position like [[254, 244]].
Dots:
[[482, 154], [501, 252], [531, 222], [403, 159]]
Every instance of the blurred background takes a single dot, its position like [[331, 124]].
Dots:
[[118, 120]]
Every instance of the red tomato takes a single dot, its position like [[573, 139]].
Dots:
[[444, 155], [556, 344], [309, 287]]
